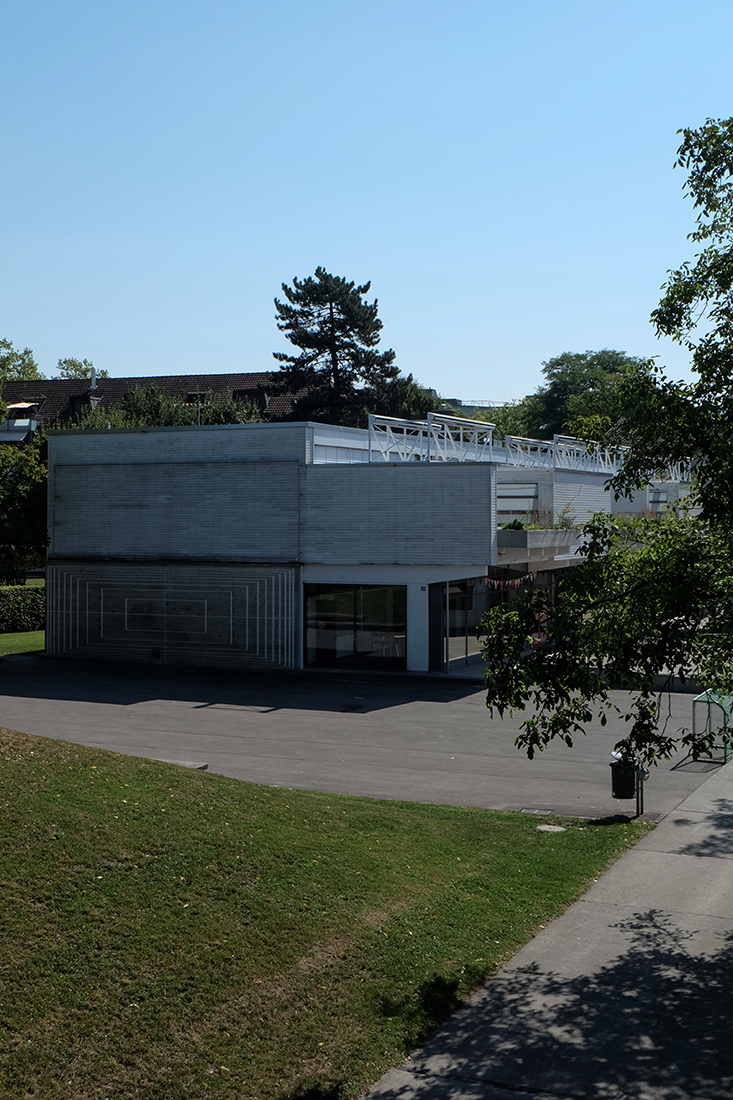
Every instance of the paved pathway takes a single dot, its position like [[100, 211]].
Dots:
[[627, 996], [413, 739]]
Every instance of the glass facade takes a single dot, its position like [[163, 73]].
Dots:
[[468, 601], [356, 626]]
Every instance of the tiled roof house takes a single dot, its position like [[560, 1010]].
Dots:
[[52, 399]]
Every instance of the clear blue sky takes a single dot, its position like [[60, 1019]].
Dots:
[[502, 172]]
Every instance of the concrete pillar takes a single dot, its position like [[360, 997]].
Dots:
[[417, 627]]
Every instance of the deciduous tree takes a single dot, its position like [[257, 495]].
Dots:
[[654, 596], [22, 512], [579, 385], [78, 368], [152, 406], [17, 365], [402, 397]]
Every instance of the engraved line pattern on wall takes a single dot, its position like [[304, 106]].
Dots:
[[172, 614]]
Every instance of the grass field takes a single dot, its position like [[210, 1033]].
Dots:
[[169, 933], [28, 641]]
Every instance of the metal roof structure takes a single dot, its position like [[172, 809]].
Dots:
[[442, 438]]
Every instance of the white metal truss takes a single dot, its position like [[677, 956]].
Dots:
[[563, 453], [395, 440], [440, 438], [453, 439]]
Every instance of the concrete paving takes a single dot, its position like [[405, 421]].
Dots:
[[627, 996], [417, 739]]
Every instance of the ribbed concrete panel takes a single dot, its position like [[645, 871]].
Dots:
[[244, 510], [222, 443], [221, 616], [401, 513], [580, 494]]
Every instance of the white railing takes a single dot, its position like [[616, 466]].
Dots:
[[454, 439], [394, 440], [440, 438], [563, 453]]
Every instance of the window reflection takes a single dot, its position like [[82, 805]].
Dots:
[[356, 626]]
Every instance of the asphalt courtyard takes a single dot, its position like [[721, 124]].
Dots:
[[416, 739]]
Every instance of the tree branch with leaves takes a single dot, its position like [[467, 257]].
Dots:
[[654, 597]]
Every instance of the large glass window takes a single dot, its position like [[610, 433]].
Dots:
[[356, 626], [467, 603]]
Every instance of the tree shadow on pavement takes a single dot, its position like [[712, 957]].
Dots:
[[654, 1023], [716, 838]]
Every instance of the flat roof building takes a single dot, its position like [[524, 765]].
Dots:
[[300, 545]]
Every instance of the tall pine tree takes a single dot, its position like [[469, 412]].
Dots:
[[337, 333]]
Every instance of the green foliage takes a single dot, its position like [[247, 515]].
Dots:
[[23, 536], [172, 933], [22, 609], [510, 419], [78, 368], [579, 385], [153, 407], [654, 596], [337, 333], [671, 421], [16, 365], [583, 397], [402, 397]]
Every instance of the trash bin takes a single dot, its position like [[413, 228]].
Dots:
[[623, 779]]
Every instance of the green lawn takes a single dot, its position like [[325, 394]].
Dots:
[[169, 933], [28, 641]]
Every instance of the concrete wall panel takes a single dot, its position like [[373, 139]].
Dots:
[[235, 510], [220, 616], [398, 513]]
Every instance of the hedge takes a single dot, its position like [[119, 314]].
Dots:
[[22, 608]]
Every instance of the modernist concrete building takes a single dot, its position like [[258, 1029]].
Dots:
[[297, 545]]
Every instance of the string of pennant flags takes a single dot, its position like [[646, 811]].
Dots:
[[503, 586]]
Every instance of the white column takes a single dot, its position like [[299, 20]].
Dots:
[[417, 627]]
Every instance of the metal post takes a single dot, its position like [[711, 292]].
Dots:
[[642, 775]]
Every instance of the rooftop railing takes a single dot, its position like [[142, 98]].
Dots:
[[442, 438]]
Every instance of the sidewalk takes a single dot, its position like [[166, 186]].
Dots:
[[627, 996]]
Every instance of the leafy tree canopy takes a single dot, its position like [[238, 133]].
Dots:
[[654, 597], [579, 385], [336, 332], [583, 396], [509, 419], [78, 368], [16, 365], [22, 512], [402, 397]]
